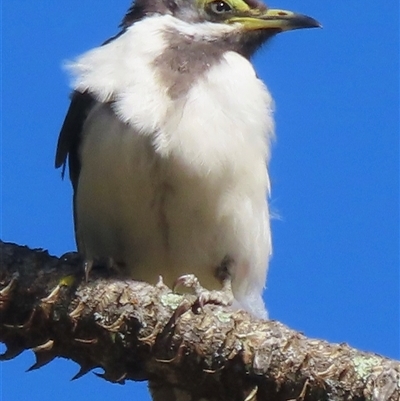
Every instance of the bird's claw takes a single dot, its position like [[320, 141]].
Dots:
[[189, 281], [222, 297]]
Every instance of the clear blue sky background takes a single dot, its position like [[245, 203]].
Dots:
[[335, 169]]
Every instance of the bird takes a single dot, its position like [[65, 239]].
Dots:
[[167, 140]]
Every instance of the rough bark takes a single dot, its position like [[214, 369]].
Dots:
[[135, 331]]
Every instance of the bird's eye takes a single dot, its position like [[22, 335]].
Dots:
[[220, 7]]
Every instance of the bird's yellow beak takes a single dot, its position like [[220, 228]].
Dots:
[[278, 20]]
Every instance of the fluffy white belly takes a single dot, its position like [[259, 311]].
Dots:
[[155, 215], [184, 187]]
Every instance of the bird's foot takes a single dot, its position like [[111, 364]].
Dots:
[[109, 263], [222, 297]]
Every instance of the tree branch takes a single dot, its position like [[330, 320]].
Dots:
[[135, 331]]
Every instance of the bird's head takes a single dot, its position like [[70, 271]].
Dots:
[[252, 22]]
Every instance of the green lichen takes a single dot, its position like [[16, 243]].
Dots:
[[171, 300], [364, 365], [224, 317]]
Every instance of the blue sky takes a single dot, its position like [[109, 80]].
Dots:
[[335, 169]]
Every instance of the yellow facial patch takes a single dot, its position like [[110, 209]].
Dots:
[[254, 15]]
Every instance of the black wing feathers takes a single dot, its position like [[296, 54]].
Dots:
[[70, 135]]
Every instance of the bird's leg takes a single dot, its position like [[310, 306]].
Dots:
[[218, 297], [113, 266], [109, 263], [87, 266]]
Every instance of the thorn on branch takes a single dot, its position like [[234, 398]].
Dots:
[[11, 352], [77, 312], [42, 359], [47, 346], [252, 395], [6, 292], [53, 296], [24, 326], [86, 341], [114, 327], [84, 370], [112, 378]]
